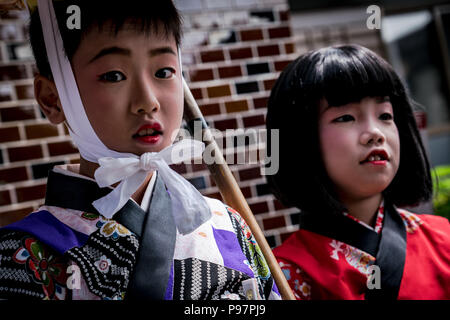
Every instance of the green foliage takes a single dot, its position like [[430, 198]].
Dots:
[[441, 186]]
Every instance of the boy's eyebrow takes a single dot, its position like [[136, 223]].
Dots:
[[127, 52]]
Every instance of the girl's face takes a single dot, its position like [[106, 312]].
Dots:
[[131, 88], [360, 147]]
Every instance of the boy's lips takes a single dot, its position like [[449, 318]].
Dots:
[[149, 133]]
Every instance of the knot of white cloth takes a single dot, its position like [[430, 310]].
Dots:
[[146, 163], [188, 205]]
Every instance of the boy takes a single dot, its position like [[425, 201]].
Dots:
[[153, 236]]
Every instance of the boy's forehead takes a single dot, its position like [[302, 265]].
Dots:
[[128, 37]]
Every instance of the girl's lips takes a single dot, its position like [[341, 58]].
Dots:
[[377, 162]]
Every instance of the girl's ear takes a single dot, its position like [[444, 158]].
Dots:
[[48, 99]]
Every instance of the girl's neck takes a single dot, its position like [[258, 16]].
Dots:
[[88, 168], [365, 209]]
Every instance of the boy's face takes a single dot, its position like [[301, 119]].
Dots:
[[360, 147], [130, 85]]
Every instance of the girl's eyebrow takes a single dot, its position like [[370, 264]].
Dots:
[[127, 52]]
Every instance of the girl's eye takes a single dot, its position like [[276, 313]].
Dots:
[[344, 118], [386, 116], [165, 73], [112, 76]]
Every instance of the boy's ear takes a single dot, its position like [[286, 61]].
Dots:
[[48, 99]]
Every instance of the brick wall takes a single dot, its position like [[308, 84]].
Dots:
[[233, 51]]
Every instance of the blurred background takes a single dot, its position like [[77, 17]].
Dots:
[[232, 52]]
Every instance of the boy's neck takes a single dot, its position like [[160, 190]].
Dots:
[[88, 168], [365, 209]]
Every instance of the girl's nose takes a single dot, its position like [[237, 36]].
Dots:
[[372, 136], [144, 99]]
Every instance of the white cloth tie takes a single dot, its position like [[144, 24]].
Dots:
[[188, 205]]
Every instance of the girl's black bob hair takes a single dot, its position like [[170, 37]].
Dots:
[[144, 16], [341, 75]]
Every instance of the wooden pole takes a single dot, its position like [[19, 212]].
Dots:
[[232, 194]]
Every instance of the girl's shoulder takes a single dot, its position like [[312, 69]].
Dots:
[[424, 222]]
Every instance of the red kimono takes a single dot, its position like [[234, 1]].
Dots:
[[339, 258]]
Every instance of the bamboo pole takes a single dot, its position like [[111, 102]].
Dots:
[[232, 194]]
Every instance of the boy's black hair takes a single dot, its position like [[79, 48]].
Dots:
[[146, 16], [341, 75]]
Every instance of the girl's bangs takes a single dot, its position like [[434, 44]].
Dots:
[[344, 75]]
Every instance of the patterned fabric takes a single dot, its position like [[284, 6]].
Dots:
[[42, 262], [28, 268], [201, 280], [378, 220], [318, 267]]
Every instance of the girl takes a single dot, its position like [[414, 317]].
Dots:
[[360, 158]]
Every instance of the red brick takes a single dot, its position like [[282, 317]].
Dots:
[[61, 148], [5, 198], [9, 134], [17, 113], [13, 72], [9, 217], [222, 125], [219, 91], [254, 121], [236, 106], [268, 84], [212, 56], [25, 153], [246, 192], [278, 205], [197, 93], [260, 103], [289, 48], [30, 193], [201, 75], [25, 92], [259, 207], [230, 72], [249, 174], [241, 53], [279, 32], [268, 50], [280, 65], [180, 168], [210, 109], [10, 175], [252, 35], [38, 131], [273, 223]]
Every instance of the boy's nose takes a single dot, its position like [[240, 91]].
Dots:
[[144, 99]]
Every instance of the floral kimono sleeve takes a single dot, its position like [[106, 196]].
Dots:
[[30, 269]]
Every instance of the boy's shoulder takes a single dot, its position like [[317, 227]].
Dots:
[[29, 268]]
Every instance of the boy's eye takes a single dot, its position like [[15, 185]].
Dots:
[[386, 116], [344, 118], [164, 73], [112, 76]]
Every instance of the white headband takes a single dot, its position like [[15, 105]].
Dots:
[[189, 207]]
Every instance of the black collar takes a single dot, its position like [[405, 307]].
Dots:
[[389, 247], [76, 193]]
